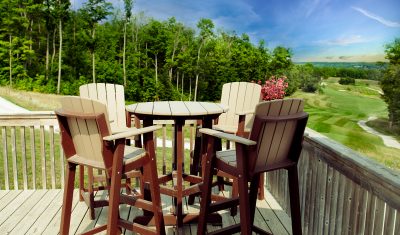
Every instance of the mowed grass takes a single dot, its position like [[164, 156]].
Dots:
[[335, 113]]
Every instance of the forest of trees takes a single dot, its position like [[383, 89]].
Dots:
[[46, 46]]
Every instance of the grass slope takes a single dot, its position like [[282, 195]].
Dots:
[[335, 113]]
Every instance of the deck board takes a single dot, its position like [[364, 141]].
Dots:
[[19, 212], [32, 216], [39, 212]]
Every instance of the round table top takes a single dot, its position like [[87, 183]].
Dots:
[[177, 108]]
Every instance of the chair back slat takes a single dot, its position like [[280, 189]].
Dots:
[[120, 105], [113, 96], [85, 132], [275, 138], [252, 98], [239, 96]]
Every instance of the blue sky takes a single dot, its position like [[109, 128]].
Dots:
[[315, 30]]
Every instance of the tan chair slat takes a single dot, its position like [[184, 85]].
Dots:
[[111, 95], [253, 97], [92, 90], [74, 127], [120, 105], [101, 93], [280, 129], [230, 118], [226, 89], [94, 134], [83, 91], [111, 105], [289, 130], [240, 101], [268, 133], [239, 97]]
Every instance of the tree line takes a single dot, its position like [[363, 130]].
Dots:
[[46, 46]]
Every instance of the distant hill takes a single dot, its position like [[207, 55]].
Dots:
[[362, 65]]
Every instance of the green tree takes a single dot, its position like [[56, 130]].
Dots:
[[206, 27], [281, 60], [62, 7], [128, 14], [94, 11], [391, 82]]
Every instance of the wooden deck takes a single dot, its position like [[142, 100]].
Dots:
[[39, 211]]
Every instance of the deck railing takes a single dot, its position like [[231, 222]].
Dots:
[[341, 191], [31, 156]]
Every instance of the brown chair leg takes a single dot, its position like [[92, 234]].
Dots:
[[81, 181], [67, 200], [294, 200], [245, 221], [254, 185], [116, 176], [91, 192], [155, 197], [261, 193], [235, 192], [206, 192], [128, 186]]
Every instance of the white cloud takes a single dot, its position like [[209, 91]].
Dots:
[[377, 18], [343, 41]]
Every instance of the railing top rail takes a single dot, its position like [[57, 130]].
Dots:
[[381, 180]]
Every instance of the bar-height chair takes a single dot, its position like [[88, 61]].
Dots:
[[275, 142], [87, 140], [120, 120], [241, 98]]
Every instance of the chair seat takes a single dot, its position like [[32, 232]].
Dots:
[[229, 128], [130, 154], [228, 156]]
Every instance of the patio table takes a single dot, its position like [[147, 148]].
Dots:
[[179, 112]]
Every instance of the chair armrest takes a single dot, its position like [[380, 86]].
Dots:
[[245, 112], [132, 132], [230, 137]]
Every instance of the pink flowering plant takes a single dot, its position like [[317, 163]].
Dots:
[[274, 88]]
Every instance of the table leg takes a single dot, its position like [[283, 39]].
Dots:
[[179, 155], [146, 176]]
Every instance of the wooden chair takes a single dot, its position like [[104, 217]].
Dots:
[[241, 98], [275, 143], [120, 120], [87, 140]]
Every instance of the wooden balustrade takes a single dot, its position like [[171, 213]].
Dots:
[[31, 156], [341, 191]]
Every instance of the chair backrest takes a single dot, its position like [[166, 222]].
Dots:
[[113, 96], [278, 129], [83, 124], [239, 96]]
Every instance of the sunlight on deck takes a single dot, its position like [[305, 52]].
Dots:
[[39, 212]]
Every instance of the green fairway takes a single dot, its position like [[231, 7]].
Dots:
[[337, 110]]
